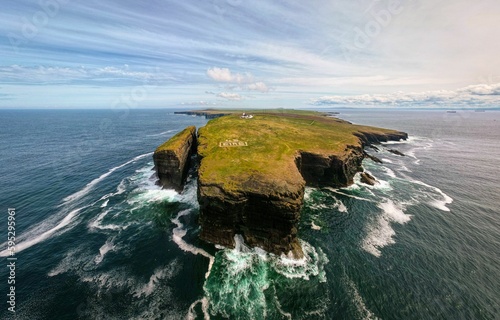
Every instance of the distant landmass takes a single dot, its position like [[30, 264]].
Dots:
[[254, 166]]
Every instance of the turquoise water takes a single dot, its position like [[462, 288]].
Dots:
[[97, 239]]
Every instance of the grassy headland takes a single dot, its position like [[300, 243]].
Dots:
[[273, 140], [176, 142]]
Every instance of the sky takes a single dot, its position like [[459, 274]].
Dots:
[[260, 54]]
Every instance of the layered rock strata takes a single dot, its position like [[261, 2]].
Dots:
[[265, 214], [172, 158]]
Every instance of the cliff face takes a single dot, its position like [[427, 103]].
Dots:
[[265, 215], [171, 159], [368, 138], [330, 169]]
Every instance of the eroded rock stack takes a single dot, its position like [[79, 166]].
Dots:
[[171, 159]]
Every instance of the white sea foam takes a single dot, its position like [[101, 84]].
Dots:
[[307, 193], [204, 307], [314, 226], [178, 234], [105, 248], [81, 193], [65, 264], [160, 134], [288, 315], [121, 188], [318, 206], [340, 206], [394, 212], [105, 203], [39, 233], [118, 278], [147, 191], [348, 195], [440, 204], [312, 264], [243, 276], [389, 172], [396, 142], [31, 241], [381, 185], [379, 232], [159, 274], [97, 223], [143, 197], [436, 203], [405, 168], [358, 301]]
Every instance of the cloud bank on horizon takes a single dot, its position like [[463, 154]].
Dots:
[[269, 53], [474, 95]]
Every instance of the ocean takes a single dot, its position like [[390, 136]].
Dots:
[[97, 239]]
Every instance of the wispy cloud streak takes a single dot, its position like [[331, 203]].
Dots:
[[268, 48]]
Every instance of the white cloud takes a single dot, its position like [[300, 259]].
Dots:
[[225, 75], [220, 74], [243, 81], [230, 96], [258, 86], [50, 74], [480, 94]]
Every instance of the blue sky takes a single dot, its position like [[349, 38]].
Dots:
[[235, 53]]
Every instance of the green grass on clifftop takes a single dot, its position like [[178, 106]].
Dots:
[[177, 141], [274, 139]]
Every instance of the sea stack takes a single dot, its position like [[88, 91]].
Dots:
[[171, 159]]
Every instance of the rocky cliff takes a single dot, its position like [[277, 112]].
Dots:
[[368, 138], [334, 170], [254, 185], [171, 159], [266, 214]]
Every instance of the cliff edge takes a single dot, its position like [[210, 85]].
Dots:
[[171, 159]]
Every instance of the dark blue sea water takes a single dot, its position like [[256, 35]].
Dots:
[[97, 239]]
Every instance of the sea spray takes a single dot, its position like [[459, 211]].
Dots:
[[249, 283]]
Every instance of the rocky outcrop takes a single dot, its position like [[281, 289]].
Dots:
[[171, 159], [374, 147], [396, 152], [368, 179], [373, 158], [332, 170], [368, 138]]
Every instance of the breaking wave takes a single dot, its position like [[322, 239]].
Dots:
[[248, 283], [40, 233]]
